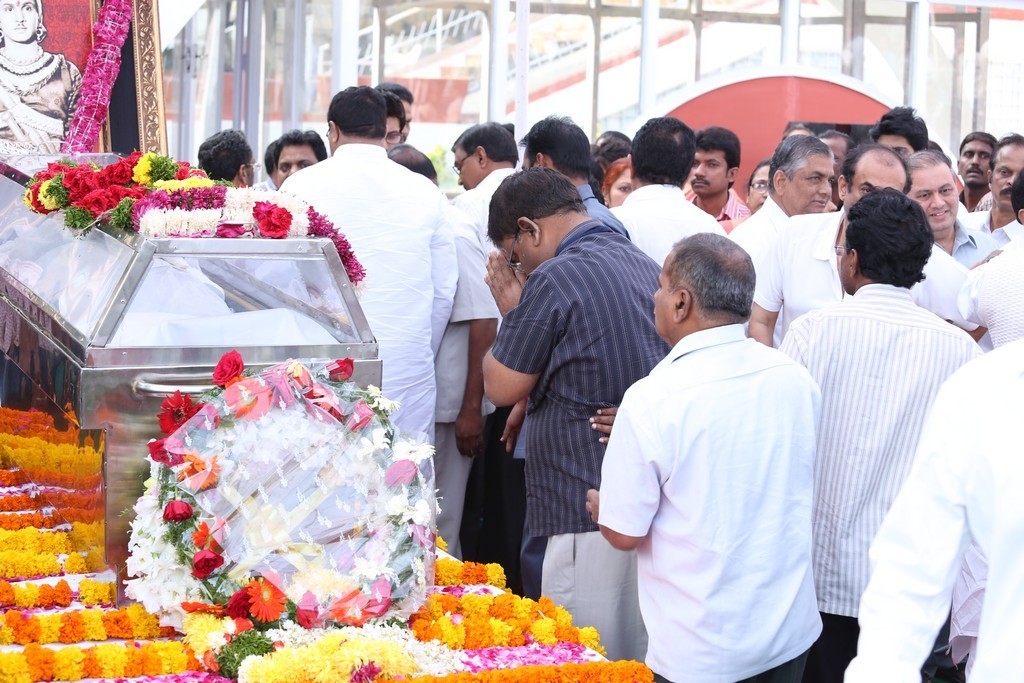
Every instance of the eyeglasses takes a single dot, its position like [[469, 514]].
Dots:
[[515, 266], [760, 185], [839, 249], [256, 168], [457, 165], [395, 137]]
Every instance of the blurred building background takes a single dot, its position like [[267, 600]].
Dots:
[[266, 66]]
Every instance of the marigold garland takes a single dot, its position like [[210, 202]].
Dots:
[[33, 596], [452, 572], [109, 660], [133, 622], [477, 621], [591, 672]]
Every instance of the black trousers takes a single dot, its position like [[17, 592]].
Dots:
[[788, 672], [495, 509], [833, 651]]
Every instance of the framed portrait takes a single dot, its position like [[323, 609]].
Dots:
[[45, 49]]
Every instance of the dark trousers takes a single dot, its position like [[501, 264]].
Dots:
[[495, 509], [833, 651], [837, 646], [789, 672]]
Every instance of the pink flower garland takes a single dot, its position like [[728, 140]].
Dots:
[[319, 226], [101, 70]]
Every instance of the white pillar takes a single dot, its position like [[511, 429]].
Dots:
[[648, 53], [522, 66], [790, 32], [344, 45], [917, 88], [497, 62]]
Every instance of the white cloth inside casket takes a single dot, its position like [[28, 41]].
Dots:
[[177, 305]]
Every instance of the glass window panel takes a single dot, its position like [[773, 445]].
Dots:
[[731, 46], [821, 46], [822, 8], [677, 53], [1005, 87], [619, 80], [886, 8], [885, 54], [742, 6]]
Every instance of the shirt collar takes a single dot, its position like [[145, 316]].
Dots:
[[825, 240], [360, 150], [774, 213], [716, 336], [586, 191], [732, 208], [654, 193], [494, 178], [877, 291], [962, 236], [1014, 230]]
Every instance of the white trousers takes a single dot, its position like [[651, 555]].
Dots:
[[597, 585], [451, 473]]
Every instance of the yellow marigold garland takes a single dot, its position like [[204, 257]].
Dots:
[[109, 660], [332, 658], [451, 572], [475, 621], [590, 672], [96, 592]]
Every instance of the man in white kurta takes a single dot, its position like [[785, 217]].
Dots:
[[397, 224], [657, 213], [966, 484], [879, 360], [714, 489]]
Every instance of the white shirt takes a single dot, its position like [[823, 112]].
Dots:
[[879, 360], [721, 487], [476, 203], [966, 483], [658, 216], [991, 297], [981, 221], [397, 224], [757, 233], [801, 274], [473, 301]]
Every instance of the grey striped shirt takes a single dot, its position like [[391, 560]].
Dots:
[[585, 323], [879, 360]]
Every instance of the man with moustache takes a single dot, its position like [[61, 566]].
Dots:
[[1000, 221], [715, 166], [974, 166]]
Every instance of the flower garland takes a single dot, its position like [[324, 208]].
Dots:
[[452, 572], [478, 621], [157, 196], [591, 672], [101, 69], [275, 448], [76, 626], [45, 596], [109, 660], [33, 423]]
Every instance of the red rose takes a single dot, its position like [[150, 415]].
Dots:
[[119, 173], [98, 201], [228, 368], [239, 604], [273, 221], [175, 411], [80, 181], [183, 169], [205, 562], [177, 511], [340, 370]]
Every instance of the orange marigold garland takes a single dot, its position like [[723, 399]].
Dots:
[[591, 672]]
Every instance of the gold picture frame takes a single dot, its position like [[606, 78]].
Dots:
[[149, 90]]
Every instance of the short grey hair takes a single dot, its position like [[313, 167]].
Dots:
[[718, 272], [792, 153], [927, 158]]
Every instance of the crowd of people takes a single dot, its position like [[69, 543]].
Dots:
[[749, 438]]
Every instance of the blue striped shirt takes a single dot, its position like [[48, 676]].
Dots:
[[585, 323]]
